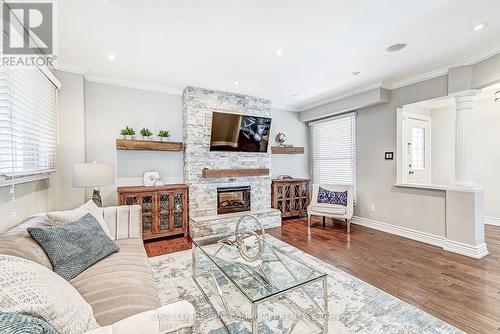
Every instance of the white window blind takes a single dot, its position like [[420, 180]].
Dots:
[[334, 150], [28, 122]]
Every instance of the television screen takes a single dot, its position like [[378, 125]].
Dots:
[[239, 133]]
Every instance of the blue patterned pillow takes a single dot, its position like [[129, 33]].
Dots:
[[332, 197]]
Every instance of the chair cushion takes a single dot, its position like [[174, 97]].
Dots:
[[328, 210], [120, 285], [29, 288], [75, 246]]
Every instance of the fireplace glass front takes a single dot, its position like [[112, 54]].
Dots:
[[233, 199]]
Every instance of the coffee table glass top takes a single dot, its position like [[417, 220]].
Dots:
[[274, 273]]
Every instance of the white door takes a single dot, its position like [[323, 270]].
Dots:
[[417, 138]]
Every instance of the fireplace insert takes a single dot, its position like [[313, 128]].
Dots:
[[233, 199]]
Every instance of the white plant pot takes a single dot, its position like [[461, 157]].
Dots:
[[147, 138], [128, 137], [164, 138]]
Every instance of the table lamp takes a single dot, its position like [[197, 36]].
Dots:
[[93, 175]]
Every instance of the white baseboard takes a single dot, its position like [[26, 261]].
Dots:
[[492, 221], [431, 239], [467, 250]]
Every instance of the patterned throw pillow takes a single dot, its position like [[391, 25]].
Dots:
[[68, 216], [75, 246], [29, 288], [332, 197], [16, 323]]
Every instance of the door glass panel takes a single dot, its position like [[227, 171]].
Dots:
[[178, 220], [147, 223], [164, 199], [164, 222], [131, 200], [418, 148], [147, 203], [178, 197]]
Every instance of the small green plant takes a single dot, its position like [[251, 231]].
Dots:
[[146, 133], [163, 134], [127, 131]]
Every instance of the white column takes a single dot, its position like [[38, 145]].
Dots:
[[464, 154]]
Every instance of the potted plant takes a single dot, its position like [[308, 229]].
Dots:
[[128, 133], [146, 134], [163, 134]]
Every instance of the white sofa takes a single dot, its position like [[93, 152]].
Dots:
[[120, 288], [333, 211]]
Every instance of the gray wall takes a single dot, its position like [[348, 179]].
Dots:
[[297, 133]]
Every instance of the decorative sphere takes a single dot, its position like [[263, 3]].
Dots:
[[280, 137]]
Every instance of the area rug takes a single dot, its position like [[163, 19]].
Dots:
[[354, 306]]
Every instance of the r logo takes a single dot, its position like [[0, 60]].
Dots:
[[27, 28]]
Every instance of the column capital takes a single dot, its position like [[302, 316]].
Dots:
[[466, 93]]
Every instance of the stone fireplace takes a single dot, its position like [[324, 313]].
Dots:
[[233, 199], [206, 218]]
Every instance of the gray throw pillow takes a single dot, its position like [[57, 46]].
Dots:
[[15, 323], [73, 247]]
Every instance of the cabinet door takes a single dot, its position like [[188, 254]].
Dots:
[[164, 199], [300, 196], [178, 211], [146, 202]]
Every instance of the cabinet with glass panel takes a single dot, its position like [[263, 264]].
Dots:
[[164, 208]]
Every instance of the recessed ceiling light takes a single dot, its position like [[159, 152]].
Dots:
[[356, 73], [236, 83], [295, 96], [111, 56], [279, 53], [479, 27], [396, 47]]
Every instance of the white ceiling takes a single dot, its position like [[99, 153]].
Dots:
[[176, 43]]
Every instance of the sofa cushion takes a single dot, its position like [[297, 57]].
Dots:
[[29, 288], [17, 242], [69, 216], [120, 285], [75, 246], [15, 323], [326, 196]]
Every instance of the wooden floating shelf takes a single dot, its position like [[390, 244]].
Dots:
[[148, 145], [287, 150], [236, 172]]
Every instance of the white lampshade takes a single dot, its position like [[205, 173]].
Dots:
[[93, 174]]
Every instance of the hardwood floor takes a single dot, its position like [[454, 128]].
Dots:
[[459, 290]]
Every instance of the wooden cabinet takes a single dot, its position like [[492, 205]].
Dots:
[[290, 196], [164, 208]]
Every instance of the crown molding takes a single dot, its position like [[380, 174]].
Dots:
[[71, 68], [284, 108], [344, 95], [444, 70], [134, 84]]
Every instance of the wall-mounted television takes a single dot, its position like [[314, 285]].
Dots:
[[239, 133]]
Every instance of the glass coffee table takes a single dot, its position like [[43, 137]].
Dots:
[[276, 294]]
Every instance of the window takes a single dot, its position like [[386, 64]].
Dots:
[[28, 122], [334, 150]]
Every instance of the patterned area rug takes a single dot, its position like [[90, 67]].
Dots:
[[354, 306]]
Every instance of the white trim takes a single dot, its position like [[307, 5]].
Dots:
[[336, 97], [435, 240], [444, 70], [401, 231], [134, 84], [26, 178], [494, 221], [344, 115], [477, 252], [422, 186]]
